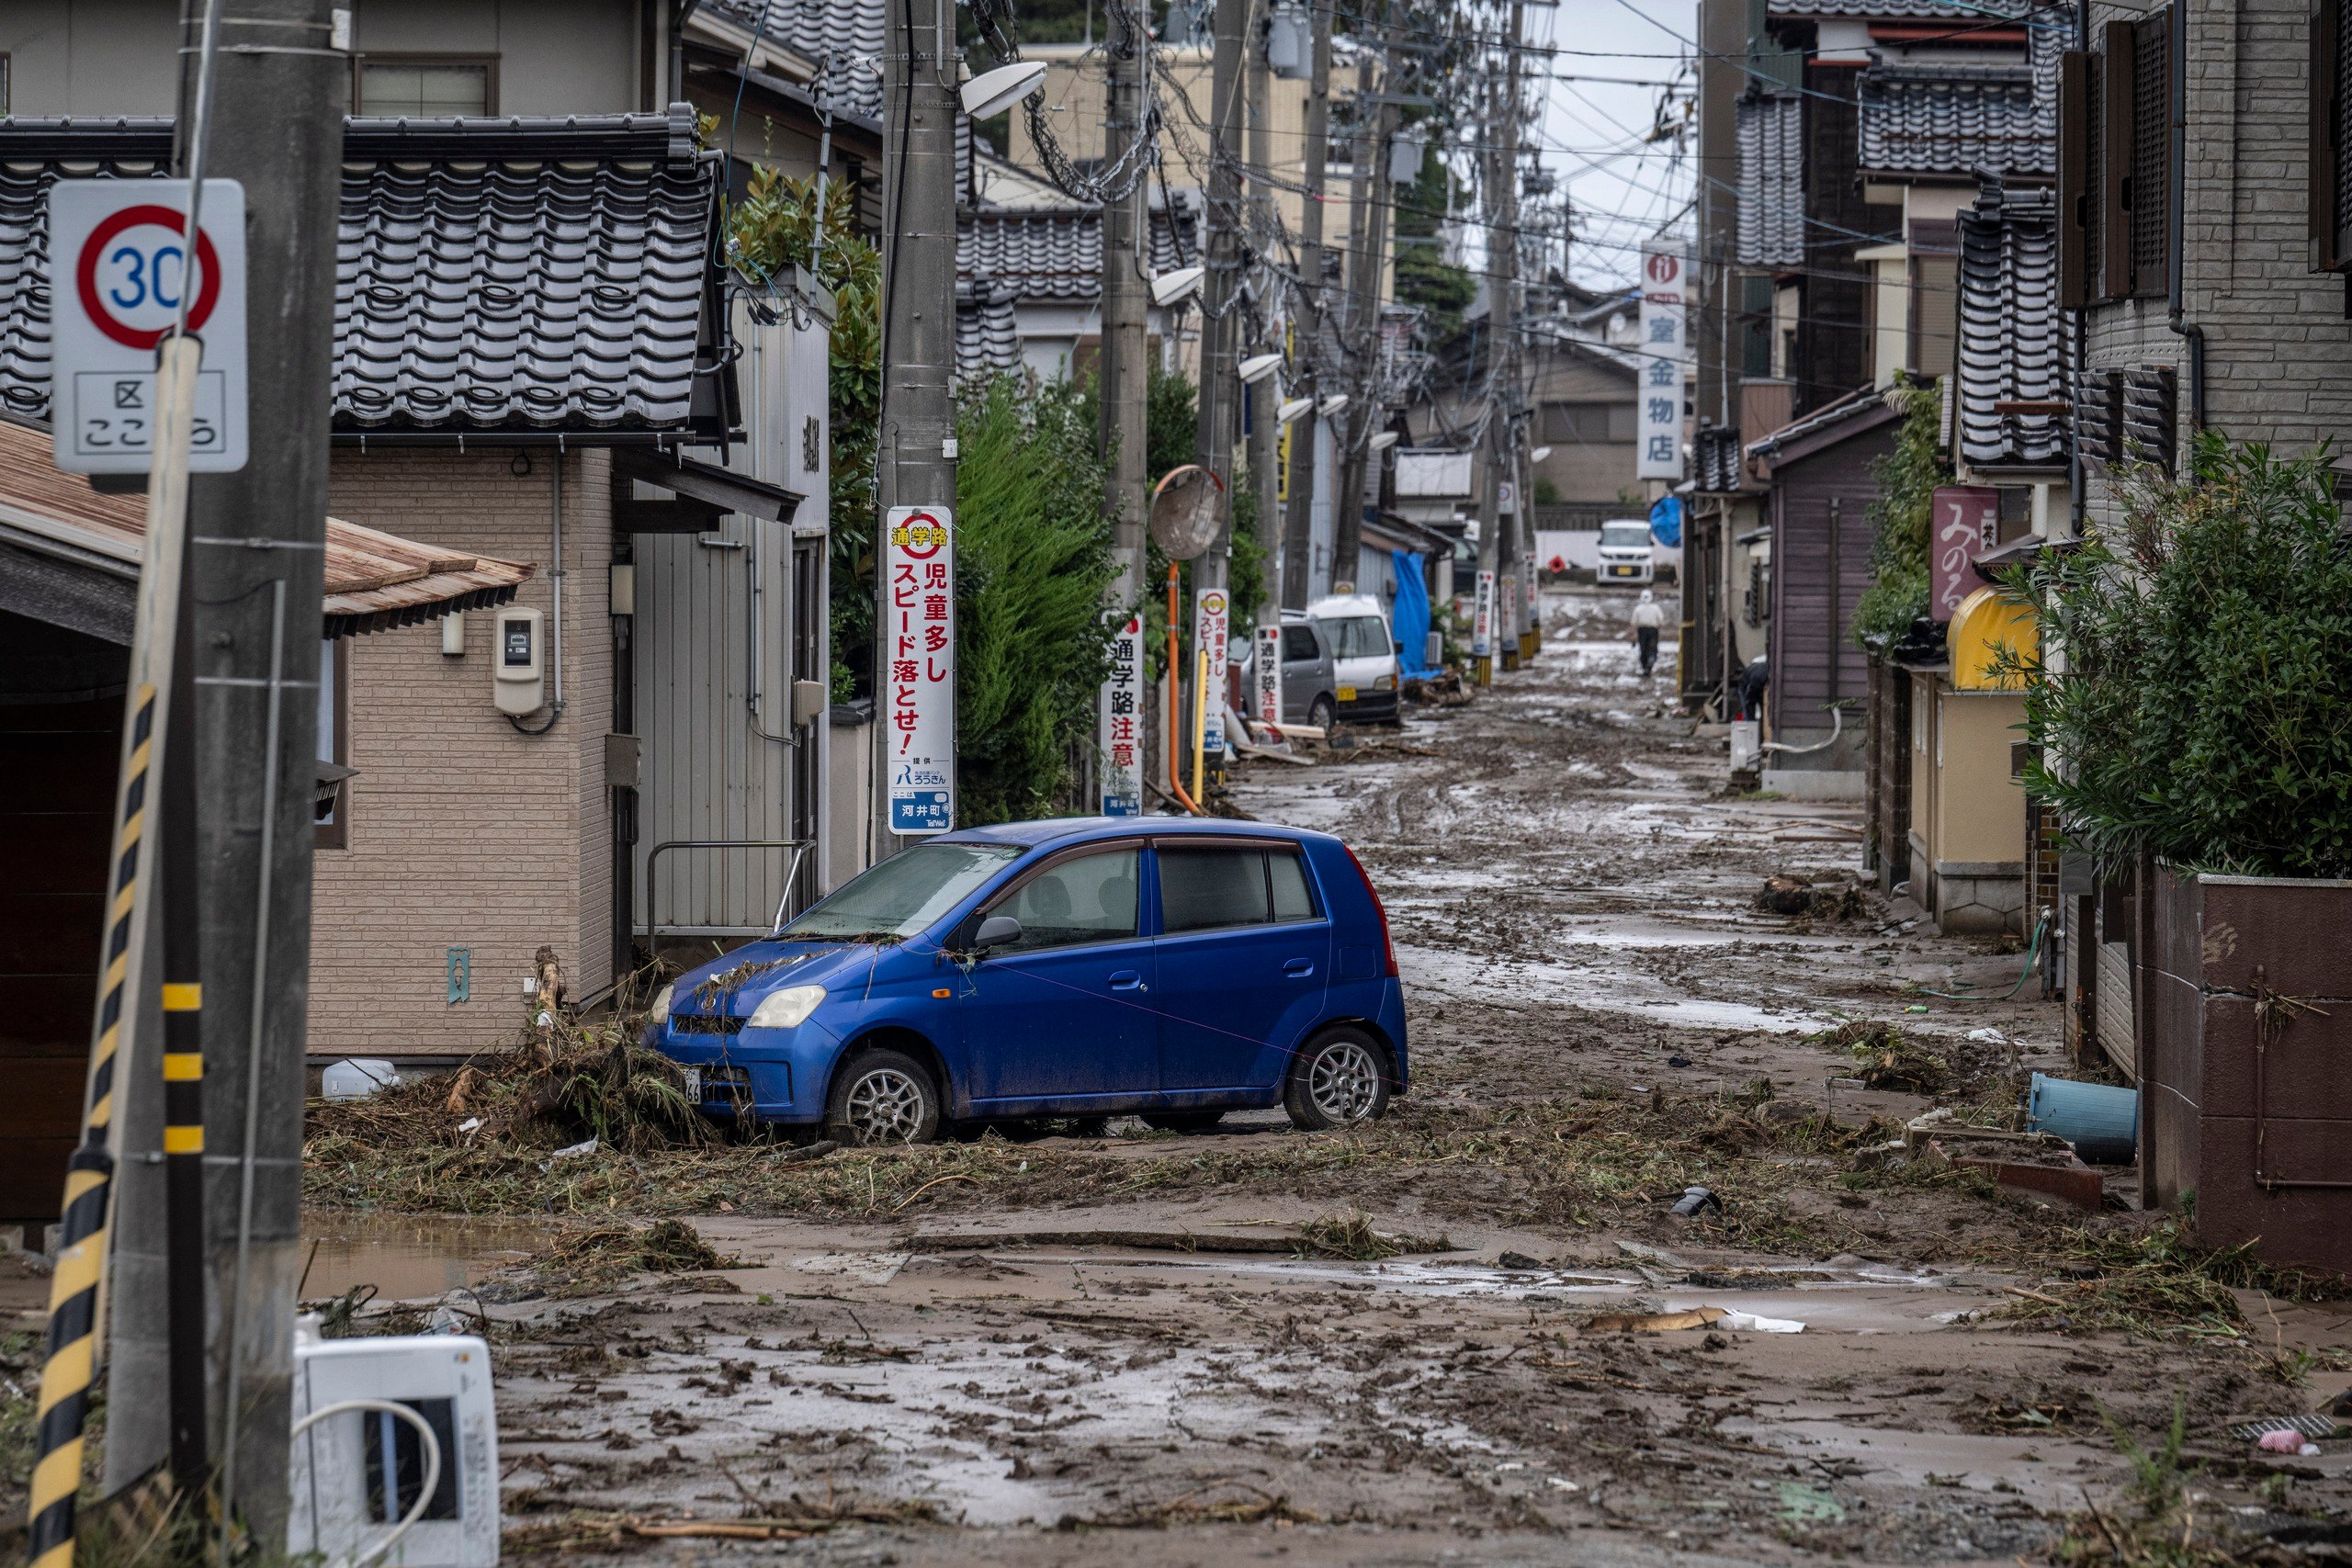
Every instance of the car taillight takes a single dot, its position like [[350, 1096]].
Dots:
[[1387, 948]]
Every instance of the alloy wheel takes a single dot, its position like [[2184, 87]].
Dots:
[[884, 1106], [1343, 1082]]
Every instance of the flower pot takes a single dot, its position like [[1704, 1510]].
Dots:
[[2245, 1062]]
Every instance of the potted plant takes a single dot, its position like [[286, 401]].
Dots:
[[2191, 714]]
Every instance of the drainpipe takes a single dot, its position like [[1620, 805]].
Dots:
[[2176, 316], [555, 616], [2077, 475]]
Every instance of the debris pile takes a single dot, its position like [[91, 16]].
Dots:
[[1835, 898]]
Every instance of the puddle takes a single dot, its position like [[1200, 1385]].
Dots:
[[408, 1257]]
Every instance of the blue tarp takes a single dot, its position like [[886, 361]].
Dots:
[[1666, 521], [1409, 619]]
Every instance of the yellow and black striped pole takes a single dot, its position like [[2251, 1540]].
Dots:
[[71, 1355], [183, 1245]]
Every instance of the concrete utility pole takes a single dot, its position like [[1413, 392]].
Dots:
[[1265, 485], [1298, 521], [1505, 434], [1125, 381], [1370, 204], [1220, 395], [256, 561], [1490, 473], [916, 463]]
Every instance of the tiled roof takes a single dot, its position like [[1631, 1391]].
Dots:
[[1053, 255], [490, 274], [1890, 10], [1715, 458], [1861, 400], [841, 39], [2014, 342], [988, 334], [1955, 120], [1771, 179]]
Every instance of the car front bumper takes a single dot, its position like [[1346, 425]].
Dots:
[[1369, 706], [786, 1071]]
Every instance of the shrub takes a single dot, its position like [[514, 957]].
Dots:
[[2194, 696], [1901, 514]]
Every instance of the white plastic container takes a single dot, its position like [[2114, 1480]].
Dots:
[[343, 1500], [356, 1077]]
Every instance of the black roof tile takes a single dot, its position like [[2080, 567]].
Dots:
[[1955, 120], [2015, 344]]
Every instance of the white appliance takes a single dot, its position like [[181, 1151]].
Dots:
[[359, 1473]]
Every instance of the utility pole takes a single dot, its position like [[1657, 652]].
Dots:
[[1369, 204], [1510, 622], [1298, 522], [1265, 487], [1220, 393], [256, 561], [1125, 382], [916, 463]]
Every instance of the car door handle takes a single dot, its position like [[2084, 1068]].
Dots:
[[1300, 967], [1127, 980]]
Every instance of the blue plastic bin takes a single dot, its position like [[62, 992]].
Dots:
[[2101, 1120]]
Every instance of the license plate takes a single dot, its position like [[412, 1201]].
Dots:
[[1346, 693], [694, 1084], [1621, 572]]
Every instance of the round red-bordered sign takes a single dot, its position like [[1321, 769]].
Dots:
[[927, 549], [86, 273]]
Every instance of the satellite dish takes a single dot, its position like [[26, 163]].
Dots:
[[1187, 509]]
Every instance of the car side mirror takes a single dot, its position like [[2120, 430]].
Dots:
[[1399, 645], [997, 930]]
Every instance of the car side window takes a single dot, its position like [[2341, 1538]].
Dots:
[[1298, 642], [1083, 900], [1286, 875]]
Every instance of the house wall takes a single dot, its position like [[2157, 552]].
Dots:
[[463, 832], [1585, 470], [1816, 661], [1967, 831], [108, 57], [2278, 347]]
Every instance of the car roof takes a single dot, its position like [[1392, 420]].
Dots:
[[1080, 829], [1346, 604]]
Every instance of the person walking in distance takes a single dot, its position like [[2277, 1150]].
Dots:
[[1647, 619]]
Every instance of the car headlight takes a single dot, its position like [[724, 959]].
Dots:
[[658, 1013], [787, 1008], [1387, 683]]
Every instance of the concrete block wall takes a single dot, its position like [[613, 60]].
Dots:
[[461, 831], [2278, 347]]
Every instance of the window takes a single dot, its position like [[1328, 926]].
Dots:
[[1589, 422], [1216, 887], [2331, 136], [1083, 900], [2114, 177], [1298, 642], [3, 84], [425, 86], [1624, 535], [332, 812], [902, 896], [1359, 636]]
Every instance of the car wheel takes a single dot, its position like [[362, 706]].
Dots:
[[883, 1097], [1184, 1121], [1322, 715], [1340, 1079]]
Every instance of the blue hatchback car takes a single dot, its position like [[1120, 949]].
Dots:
[[1176, 968]]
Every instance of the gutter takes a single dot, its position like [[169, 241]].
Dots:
[[2176, 316]]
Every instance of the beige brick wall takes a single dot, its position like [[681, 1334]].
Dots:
[[463, 832]]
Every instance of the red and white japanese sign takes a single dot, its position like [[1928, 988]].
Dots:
[[1120, 723], [918, 697], [1268, 667], [1967, 522], [1211, 626]]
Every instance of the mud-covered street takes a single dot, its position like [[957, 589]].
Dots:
[[1473, 1332]]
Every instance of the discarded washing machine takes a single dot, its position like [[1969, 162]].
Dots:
[[395, 1455]]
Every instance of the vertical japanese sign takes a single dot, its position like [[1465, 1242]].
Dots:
[[1967, 523], [1482, 618], [1120, 723], [1268, 665], [919, 566], [1211, 626], [1527, 570], [1660, 422]]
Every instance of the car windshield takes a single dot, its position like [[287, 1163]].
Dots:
[[1624, 535], [1358, 636], [903, 895]]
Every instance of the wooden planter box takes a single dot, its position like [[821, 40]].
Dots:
[[2245, 1008]]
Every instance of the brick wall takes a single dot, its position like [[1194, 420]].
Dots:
[[463, 832], [2278, 348]]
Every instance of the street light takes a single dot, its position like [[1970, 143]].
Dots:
[[992, 92], [1384, 440], [1257, 367], [1174, 288], [1539, 454], [1331, 404], [1295, 409]]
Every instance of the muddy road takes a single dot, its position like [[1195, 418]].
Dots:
[[1407, 1344]]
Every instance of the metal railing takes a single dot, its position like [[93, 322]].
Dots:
[[800, 848]]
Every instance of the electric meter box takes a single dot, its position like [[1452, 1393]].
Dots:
[[518, 673], [357, 1474]]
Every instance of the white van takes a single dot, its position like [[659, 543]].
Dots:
[[1627, 555], [1364, 653]]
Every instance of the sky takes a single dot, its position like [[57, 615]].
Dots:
[[1623, 189]]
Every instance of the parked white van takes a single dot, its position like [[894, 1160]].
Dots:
[[1363, 652], [1627, 555]]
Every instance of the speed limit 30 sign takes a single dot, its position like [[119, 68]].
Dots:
[[119, 264]]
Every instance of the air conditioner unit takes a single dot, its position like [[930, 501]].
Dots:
[[358, 1472]]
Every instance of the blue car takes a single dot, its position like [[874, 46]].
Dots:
[[1174, 968]]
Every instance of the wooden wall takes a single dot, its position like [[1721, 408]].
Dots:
[[1821, 564]]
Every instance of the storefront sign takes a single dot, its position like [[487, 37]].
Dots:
[[1211, 626], [1119, 731], [919, 573], [1657, 424], [1967, 522]]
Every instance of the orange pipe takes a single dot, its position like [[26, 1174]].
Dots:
[[1175, 747]]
